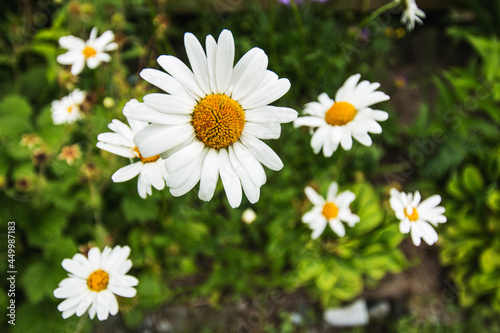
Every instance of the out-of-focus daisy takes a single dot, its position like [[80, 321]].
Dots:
[[248, 216], [93, 282], [151, 170], [415, 216], [31, 140], [68, 109], [70, 153], [213, 118], [333, 211], [92, 52], [349, 116], [411, 14]]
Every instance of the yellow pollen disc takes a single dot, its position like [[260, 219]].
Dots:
[[69, 109], [218, 120], [340, 114], [89, 52], [330, 210], [146, 159], [98, 280], [413, 216]]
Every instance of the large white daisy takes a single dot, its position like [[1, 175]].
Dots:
[[349, 116], [92, 52], [332, 211], [93, 282], [415, 216], [213, 117], [68, 108], [151, 170], [411, 14]]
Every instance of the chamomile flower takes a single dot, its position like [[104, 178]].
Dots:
[[151, 170], [349, 116], [212, 119], [68, 109], [93, 282], [91, 52], [416, 216], [411, 14], [332, 211]]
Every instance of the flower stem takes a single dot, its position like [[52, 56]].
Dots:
[[298, 19], [377, 12]]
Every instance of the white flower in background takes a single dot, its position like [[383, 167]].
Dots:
[[248, 216], [93, 282], [411, 14], [151, 170], [67, 109], [212, 119], [333, 211], [93, 51], [349, 116], [415, 216]]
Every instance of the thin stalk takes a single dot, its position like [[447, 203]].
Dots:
[[377, 12]]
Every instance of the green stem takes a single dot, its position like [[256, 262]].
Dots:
[[298, 19], [377, 12], [81, 323]]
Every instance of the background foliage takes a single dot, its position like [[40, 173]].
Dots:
[[187, 251]]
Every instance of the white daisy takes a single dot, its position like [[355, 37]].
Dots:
[[151, 170], [67, 109], [333, 211], [349, 116], [93, 51], [411, 14], [248, 216], [92, 282], [416, 215], [213, 117]]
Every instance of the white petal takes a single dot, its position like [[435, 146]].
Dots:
[[314, 197], [429, 235], [271, 114], [117, 150], [127, 172], [78, 66], [115, 139], [262, 131], [309, 121], [71, 42], [230, 180], [318, 230], [251, 190], [165, 82], [169, 103], [332, 191], [430, 202], [248, 73], [319, 138], [337, 227], [157, 139], [262, 152], [404, 226], [181, 73], [209, 175], [346, 139], [184, 157], [198, 61], [224, 60], [266, 94], [252, 166]]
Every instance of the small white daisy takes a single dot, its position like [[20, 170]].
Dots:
[[333, 211], [349, 116], [213, 117], [93, 51], [93, 282], [248, 216], [411, 14], [67, 109], [415, 216], [151, 170]]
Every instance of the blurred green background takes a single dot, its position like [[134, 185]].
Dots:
[[200, 267]]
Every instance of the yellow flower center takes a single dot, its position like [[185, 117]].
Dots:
[[330, 210], [146, 159], [89, 52], [98, 280], [69, 109], [340, 114], [413, 216], [218, 120]]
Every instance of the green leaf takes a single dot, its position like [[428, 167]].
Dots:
[[40, 279], [489, 260], [472, 179], [15, 112]]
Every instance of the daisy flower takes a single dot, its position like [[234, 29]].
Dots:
[[93, 282], [212, 119], [411, 14], [333, 211], [349, 116], [417, 216], [93, 51], [151, 170], [68, 109]]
